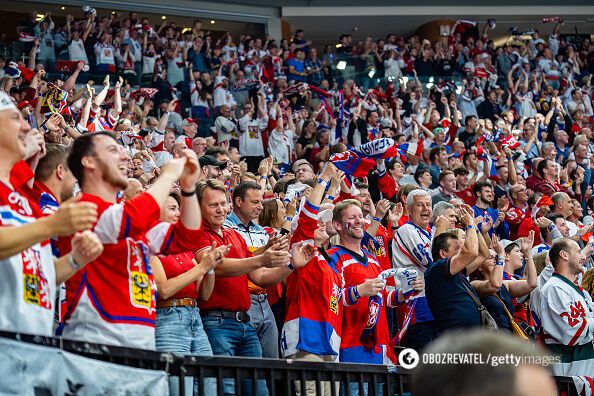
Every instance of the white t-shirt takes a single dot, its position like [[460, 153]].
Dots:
[[250, 136], [105, 54], [76, 51], [280, 145]]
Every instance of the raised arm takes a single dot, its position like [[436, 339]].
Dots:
[[469, 251], [100, 97], [519, 288]]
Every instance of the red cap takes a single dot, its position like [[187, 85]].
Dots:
[[26, 103], [545, 200], [187, 121]]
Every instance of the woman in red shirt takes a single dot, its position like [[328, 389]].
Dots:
[[181, 281]]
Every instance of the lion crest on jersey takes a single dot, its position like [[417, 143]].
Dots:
[[141, 284], [36, 288]]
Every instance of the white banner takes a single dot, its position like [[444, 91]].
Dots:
[[28, 369]]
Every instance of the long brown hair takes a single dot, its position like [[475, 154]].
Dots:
[[269, 214]]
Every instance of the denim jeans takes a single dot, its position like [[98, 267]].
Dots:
[[180, 330], [229, 337], [262, 318]]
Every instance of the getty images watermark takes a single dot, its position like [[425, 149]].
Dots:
[[409, 358]]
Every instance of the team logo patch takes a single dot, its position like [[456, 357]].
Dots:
[[141, 285], [373, 313], [35, 286], [334, 298], [141, 291]]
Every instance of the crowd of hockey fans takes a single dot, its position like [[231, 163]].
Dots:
[[192, 192]]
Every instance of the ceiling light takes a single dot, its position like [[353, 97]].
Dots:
[[163, 17], [341, 65], [212, 21]]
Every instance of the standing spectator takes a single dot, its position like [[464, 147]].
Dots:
[[297, 67], [136, 48], [247, 206], [438, 157], [105, 54], [447, 188], [44, 33], [250, 128], [29, 272], [76, 44], [567, 311], [313, 66], [224, 315], [120, 282], [181, 282], [410, 249], [447, 286]]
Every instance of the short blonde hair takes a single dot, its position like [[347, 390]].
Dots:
[[342, 206], [213, 184]]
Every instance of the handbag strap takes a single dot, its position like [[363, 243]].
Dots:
[[478, 303], [509, 315]]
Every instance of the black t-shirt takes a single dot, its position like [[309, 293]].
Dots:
[[303, 141], [497, 310], [469, 139], [448, 300]]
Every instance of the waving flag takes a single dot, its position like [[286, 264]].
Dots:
[[493, 175], [360, 160], [412, 148]]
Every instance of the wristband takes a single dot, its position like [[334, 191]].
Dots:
[[210, 272], [188, 193], [323, 182], [289, 218], [375, 218], [72, 263], [551, 227], [330, 197], [470, 227], [291, 267], [356, 292], [264, 177]]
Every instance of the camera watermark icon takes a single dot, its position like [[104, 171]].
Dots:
[[408, 358]]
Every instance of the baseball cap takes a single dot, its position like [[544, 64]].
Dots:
[[506, 242], [187, 121], [386, 123], [24, 103], [209, 160]]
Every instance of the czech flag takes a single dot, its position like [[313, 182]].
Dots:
[[360, 160]]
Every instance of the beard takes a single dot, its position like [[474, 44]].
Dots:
[[112, 178]]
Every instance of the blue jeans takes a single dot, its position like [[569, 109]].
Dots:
[[180, 330], [229, 337]]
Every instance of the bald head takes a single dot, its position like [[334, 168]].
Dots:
[[134, 188]]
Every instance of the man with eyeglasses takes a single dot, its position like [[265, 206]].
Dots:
[[211, 168]]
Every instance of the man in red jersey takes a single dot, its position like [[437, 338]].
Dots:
[[28, 272], [224, 316], [113, 300]]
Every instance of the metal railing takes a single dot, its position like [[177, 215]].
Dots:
[[282, 376]]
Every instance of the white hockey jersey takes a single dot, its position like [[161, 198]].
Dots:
[[27, 279], [567, 319]]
